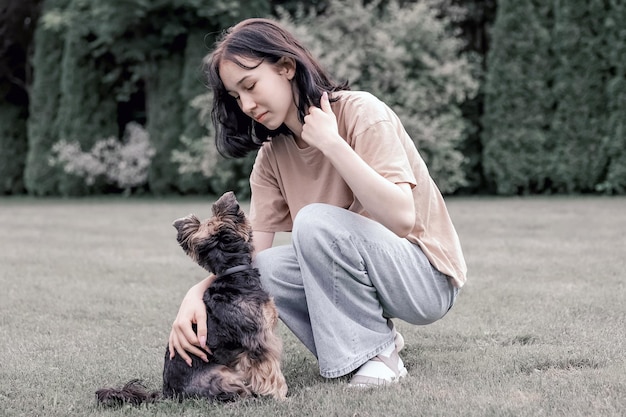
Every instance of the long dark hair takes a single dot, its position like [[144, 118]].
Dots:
[[263, 40]]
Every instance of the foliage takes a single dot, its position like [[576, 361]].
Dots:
[[554, 98], [43, 130], [193, 123], [579, 126], [123, 164], [17, 23], [518, 104], [615, 90], [111, 53], [13, 145], [549, 115], [164, 108], [408, 58], [87, 110], [473, 20], [198, 156]]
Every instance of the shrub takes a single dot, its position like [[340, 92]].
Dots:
[[555, 98], [39, 177], [199, 157], [123, 164], [410, 59], [518, 102]]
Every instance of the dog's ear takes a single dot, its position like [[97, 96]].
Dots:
[[186, 227], [226, 205]]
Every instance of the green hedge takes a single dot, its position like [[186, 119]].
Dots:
[[518, 101], [554, 112], [39, 177], [165, 108], [92, 57], [87, 109], [615, 90]]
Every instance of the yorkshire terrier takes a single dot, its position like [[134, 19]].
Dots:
[[241, 319]]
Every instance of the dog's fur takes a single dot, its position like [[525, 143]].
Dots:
[[241, 320]]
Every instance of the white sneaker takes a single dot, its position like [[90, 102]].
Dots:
[[381, 370]]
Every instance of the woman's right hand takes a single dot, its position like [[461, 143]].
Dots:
[[183, 340]]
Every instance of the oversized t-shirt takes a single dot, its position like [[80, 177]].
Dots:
[[286, 178]]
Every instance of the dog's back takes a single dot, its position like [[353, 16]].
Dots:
[[241, 319]]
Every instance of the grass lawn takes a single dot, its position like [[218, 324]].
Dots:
[[89, 288]]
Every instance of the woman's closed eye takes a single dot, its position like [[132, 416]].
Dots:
[[248, 88]]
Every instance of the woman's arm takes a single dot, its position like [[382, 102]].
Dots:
[[388, 203], [192, 311], [262, 241]]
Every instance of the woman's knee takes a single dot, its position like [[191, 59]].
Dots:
[[276, 265], [318, 220], [263, 262]]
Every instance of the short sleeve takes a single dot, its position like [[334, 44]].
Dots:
[[382, 147], [269, 211]]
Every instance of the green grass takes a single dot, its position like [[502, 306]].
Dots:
[[89, 288]]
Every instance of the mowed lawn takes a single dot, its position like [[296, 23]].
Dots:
[[89, 288]]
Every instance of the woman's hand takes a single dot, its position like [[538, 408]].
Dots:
[[183, 339], [388, 203], [320, 125]]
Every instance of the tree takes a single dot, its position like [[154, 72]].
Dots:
[[579, 128], [555, 95], [615, 90], [40, 178], [17, 23], [519, 104], [122, 61]]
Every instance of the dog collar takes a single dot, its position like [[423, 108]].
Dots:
[[234, 269]]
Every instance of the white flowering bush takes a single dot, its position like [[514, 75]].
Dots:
[[122, 163]]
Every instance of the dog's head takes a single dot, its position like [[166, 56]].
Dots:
[[222, 241]]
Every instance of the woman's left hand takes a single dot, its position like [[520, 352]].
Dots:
[[320, 125]]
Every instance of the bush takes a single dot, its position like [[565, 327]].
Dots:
[[198, 157], [555, 98], [408, 58], [39, 177], [123, 164], [519, 104], [615, 88], [579, 128], [87, 109]]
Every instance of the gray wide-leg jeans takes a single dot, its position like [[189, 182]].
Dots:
[[341, 279]]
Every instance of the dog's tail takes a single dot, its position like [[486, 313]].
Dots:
[[134, 393]]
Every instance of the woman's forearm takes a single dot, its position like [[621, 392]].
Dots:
[[388, 203]]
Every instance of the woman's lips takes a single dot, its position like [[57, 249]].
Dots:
[[260, 117]]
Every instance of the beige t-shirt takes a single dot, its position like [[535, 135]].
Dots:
[[286, 178]]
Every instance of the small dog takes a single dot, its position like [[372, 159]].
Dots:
[[241, 320]]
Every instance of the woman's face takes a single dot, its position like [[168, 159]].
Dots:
[[263, 92]]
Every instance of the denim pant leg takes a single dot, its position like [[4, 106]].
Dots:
[[281, 277], [349, 274]]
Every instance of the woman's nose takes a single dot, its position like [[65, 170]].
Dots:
[[247, 103]]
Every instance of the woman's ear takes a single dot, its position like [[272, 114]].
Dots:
[[287, 67]]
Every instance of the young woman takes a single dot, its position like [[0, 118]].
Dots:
[[371, 236]]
